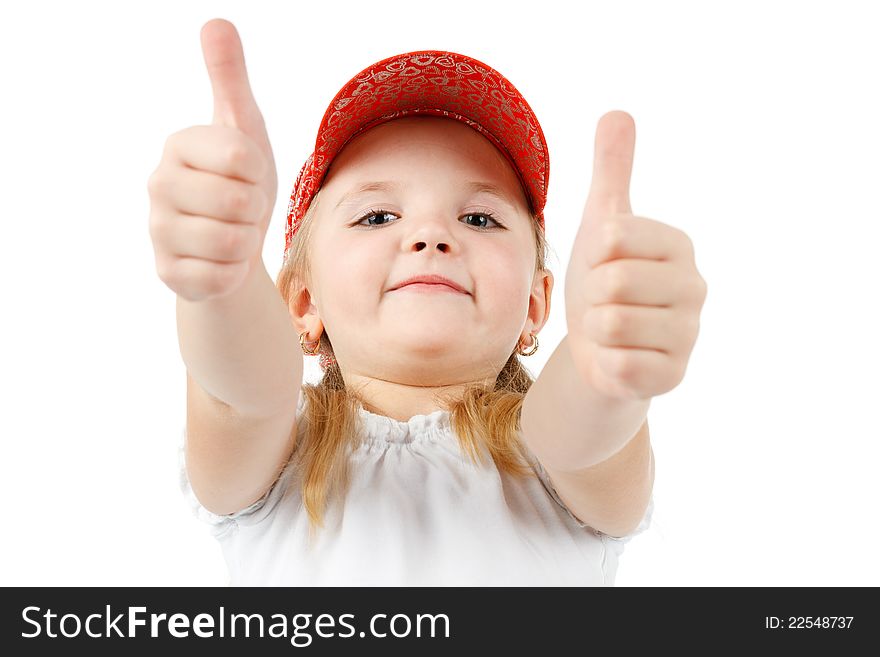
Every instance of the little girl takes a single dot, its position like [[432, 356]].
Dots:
[[415, 268]]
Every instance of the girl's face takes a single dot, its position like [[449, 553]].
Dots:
[[431, 217]]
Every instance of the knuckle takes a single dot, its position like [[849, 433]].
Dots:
[[627, 368], [156, 229], [236, 155], [206, 279], [155, 183], [231, 242], [164, 270], [613, 234], [160, 229], [612, 322], [687, 241], [237, 199], [693, 288], [175, 136], [619, 364], [170, 141], [241, 242], [616, 282], [173, 143]]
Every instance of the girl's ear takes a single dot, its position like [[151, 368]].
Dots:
[[539, 300], [304, 313]]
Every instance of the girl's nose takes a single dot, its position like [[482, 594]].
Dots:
[[442, 246], [433, 232]]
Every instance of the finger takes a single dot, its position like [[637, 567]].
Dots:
[[612, 165], [197, 279], [190, 236], [635, 282], [628, 236], [194, 192], [218, 150], [634, 327], [644, 373], [234, 103]]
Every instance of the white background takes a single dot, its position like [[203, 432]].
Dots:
[[757, 134]]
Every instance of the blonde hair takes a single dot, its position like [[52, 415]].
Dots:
[[480, 417]]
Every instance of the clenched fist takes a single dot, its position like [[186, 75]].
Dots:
[[211, 197]]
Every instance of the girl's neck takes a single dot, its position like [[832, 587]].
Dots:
[[401, 401]]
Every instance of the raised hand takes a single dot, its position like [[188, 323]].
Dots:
[[633, 295], [211, 197]]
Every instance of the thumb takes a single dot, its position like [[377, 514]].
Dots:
[[234, 103], [612, 165]]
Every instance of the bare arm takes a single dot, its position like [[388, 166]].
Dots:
[[242, 348], [244, 373], [597, 452]]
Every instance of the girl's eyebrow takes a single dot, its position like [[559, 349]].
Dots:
[[474, 187], [379, 186], [477, 186]]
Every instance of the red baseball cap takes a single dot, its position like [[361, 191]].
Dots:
[[428, 82]]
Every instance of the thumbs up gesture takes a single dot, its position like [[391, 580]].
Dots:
[[212, 194], [633, 295]]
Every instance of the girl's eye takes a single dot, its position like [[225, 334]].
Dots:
[[374, 213], [487, 216]]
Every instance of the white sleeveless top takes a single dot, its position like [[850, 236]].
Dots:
[[418, 512]]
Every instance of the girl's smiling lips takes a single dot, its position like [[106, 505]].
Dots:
[[430, 283], [428, 287]]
